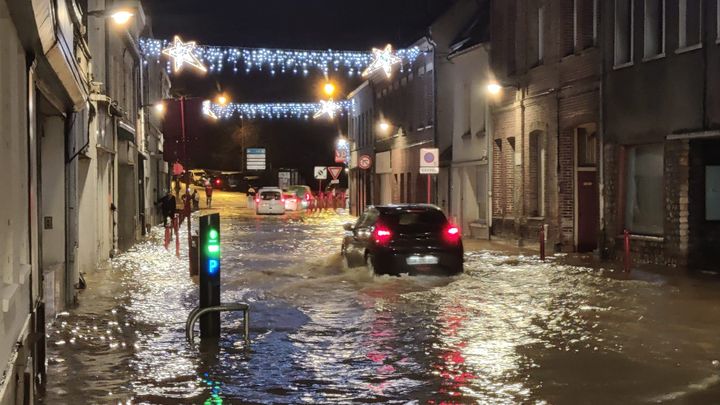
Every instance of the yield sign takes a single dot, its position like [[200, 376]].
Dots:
[[335, 172]]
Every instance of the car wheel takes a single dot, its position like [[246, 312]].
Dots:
[[370, 264]]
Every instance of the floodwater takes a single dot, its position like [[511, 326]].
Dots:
[[510, 330]]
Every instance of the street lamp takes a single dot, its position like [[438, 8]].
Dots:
[[222, 99], [120, 13], [494, 88], [329, 89]]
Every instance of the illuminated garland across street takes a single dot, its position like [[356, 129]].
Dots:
[[217, 58], [278, 110]]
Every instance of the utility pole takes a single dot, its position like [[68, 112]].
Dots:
[[187, 177]]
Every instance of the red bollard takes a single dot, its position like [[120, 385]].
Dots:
[[627, 261], [176, 225], [542, 242], [168, 232]]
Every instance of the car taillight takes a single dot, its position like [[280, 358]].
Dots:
[[452, 234], [257, 200], [382, 235], [217, 181], [307, 196]]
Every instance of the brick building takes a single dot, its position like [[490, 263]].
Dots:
[[405, 104], [361, 132], [661, 103], [545, 117]]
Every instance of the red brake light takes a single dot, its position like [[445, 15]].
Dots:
[[217, 181], [452, 234], [382, 235]]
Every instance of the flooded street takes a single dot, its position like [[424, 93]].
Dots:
[[510, 330]]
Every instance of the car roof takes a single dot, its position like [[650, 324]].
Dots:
[[388, 208], [270, 189]]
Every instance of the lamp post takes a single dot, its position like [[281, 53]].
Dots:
[[120, 13]]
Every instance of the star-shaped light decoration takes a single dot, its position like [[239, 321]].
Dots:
[[207, 110], [327, 107], [384, 59], [182, 53]]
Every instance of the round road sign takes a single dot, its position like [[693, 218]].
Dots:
[[365, 162]]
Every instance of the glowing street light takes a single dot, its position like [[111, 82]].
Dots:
[[494, 88], [160, 108], [329, 89], [384, 126], [121, 16], [223, 100]]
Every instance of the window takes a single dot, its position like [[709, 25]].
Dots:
[[575, 33], [408, 183], [644, 201], [536, 199], [690, 23], [541, 34], [623, 32], [654, 28], [587, 146]]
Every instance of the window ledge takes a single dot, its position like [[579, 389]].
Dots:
[[654, 57], [623, 66], [689, 48], [646, 238], [7, 294]]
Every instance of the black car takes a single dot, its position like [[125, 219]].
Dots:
[[407, 238]]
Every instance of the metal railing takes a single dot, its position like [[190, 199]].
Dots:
[[196, 313]]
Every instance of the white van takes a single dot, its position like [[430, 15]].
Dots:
[[269, 200]]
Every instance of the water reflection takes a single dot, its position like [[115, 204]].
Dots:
[[510, 330]]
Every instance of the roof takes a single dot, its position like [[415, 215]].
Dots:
[[477, 31]]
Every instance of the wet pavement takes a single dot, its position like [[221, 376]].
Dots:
[[510, 330]]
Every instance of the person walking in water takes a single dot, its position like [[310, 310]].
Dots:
[[168, 205], [208, 193]]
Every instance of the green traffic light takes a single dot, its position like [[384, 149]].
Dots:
[[213, 234]]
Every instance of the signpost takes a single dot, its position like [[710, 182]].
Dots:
[[429, 164], [335, 172], [320, 174], [365, 162], [255, 159], [210, 274]]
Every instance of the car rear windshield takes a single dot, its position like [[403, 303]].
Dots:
[[270, 195], [414, 220]]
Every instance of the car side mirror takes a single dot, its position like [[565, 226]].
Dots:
[[349, 227]]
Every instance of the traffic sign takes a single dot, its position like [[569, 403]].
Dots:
[[320, 172], [365, 162], [341, 155], [429, 162], [335, 172], [255, 158]]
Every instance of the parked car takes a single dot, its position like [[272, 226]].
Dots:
[[229, 181], [406, 238], [292, 202], [198, 176], [303, 193], [269, 200]]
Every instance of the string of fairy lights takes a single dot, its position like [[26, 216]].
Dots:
[[215, 59], [325, 108]]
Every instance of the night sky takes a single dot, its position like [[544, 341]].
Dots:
[[297, 24]]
